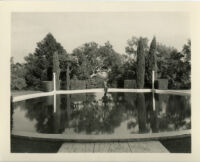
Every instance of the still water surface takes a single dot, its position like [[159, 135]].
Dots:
[[97, 113]]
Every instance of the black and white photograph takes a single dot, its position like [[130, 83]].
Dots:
[[103, 81]]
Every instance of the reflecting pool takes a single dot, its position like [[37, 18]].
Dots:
[[99, 113]]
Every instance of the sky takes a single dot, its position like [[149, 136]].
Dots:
[[73, 29]]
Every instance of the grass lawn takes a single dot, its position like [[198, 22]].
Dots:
[[23, 92], [182, 145], [19, 145]]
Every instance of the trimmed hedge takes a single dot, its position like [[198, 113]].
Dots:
[[47, 86], [94, 83], [161, 84], [130, 84], [78, 84]]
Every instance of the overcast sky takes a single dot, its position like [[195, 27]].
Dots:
[[74, 29]]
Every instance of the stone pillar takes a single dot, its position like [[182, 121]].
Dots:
[[56, 69]]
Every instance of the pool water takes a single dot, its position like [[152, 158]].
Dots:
[[100, 114]]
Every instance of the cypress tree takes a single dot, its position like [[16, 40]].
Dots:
[[152, 62], [68, 77], [56, 69], [140, 64]]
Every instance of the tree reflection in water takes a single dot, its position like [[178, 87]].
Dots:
[[98, 116], [91, 113], [42, 111], [140, 102], [179, 112], [172, 112]]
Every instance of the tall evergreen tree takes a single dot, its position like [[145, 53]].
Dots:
[[140, 64], [152, 62], [39, 65], [56, 69]]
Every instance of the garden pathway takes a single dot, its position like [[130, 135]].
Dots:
[[135, 147]]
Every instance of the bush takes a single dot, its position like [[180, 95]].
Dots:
[[18, 83]]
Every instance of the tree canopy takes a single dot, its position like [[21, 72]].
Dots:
[[39, 65], [91, 58]]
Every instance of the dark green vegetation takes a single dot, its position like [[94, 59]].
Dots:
[[140, 64], [20, 145], [91, 58], [181, 145], [151, 62], [18, 73], [56, 69]]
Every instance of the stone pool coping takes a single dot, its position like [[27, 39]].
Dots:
[[102, 138], [43, 94]]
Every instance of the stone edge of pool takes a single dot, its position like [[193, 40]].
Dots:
[[102, 138], [43, 94]]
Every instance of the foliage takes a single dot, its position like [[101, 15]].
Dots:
[[17, 76], [87, 60], [90, 59], [93, 59], [39, 65], [187, 51], [56, 64], [56, 69], [178, 71], [151, 62], [171, 64], [163, 56], [131, 49], [140, 64], [109, 57]]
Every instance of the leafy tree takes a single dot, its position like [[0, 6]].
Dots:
[[187, 65], [140, 64], [187, 51], [109, 56], [131, 49], [163, 57], [17, 76], [39, 65], [87, 60], [111, 63], [119, 73], [178, 71], [93, 59]]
